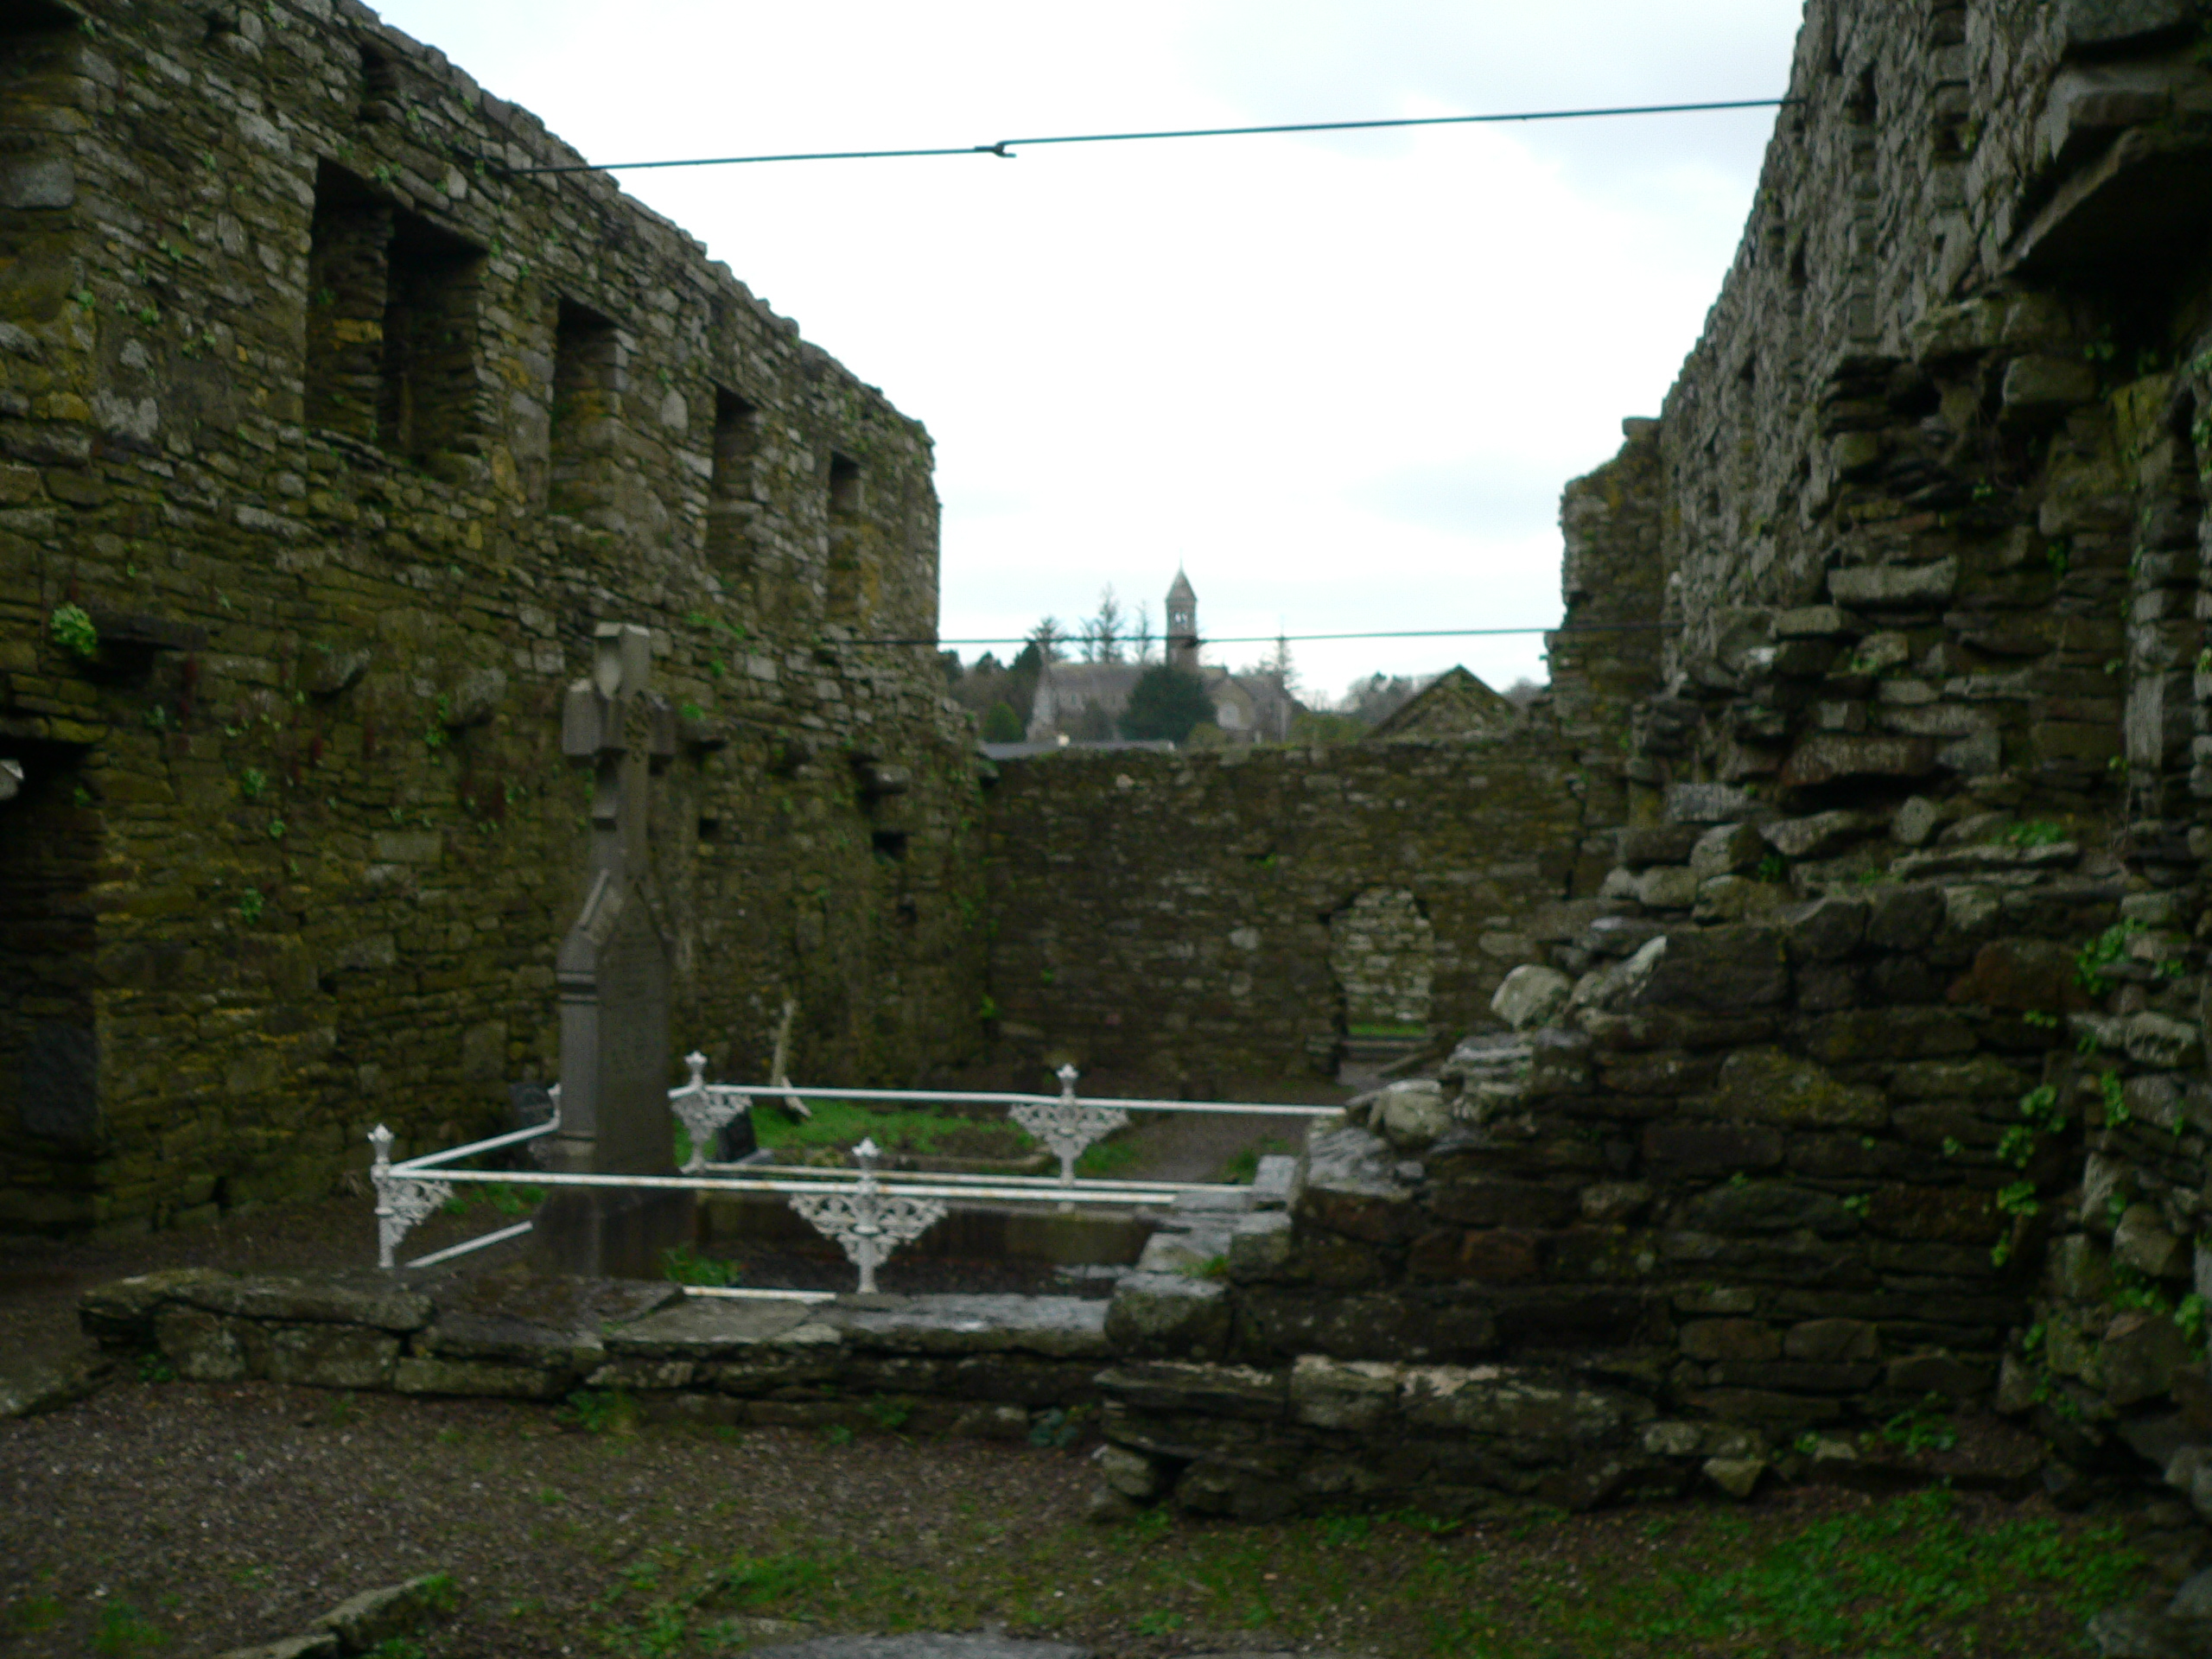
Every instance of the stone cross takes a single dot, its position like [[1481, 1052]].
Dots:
[[613, 972]]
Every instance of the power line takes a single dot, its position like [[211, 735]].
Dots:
[[1005, 148], [1309, 638]]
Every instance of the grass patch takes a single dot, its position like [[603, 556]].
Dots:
[[122, 1631], [1104, 1158], [1244, 1167], [681, 1265], [1926, 1572], [843, 1124], [509, 1202]]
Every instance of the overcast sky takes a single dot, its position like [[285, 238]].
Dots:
[[1341, 379]]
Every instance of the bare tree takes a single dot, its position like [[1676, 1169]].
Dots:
[[1141, 642], [1102, 633], [1046, 636]]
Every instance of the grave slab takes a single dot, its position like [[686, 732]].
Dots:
[[707, 1328], [1059, 1327]]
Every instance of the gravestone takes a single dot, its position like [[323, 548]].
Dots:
[[613, 971]]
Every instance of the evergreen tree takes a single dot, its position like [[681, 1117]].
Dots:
[[1166, 703]]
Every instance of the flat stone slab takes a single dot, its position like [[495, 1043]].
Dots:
[[552, 1322], [925, 1647], [710, 1327], [1058, 1327], [364, 1297]]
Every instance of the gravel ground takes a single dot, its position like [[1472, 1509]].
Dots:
[[179, 1519], [221, 1515]]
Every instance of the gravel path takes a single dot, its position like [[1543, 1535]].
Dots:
[[223, 1515]]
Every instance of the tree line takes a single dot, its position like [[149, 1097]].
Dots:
[[1167, 703]]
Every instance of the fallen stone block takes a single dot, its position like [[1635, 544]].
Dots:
[[1531, 995], [1737, 1477], [30, 1385], [292, 1646], [400, 1610]]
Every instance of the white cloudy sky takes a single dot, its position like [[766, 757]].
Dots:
[[1341, 378]]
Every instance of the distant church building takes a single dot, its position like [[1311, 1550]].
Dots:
[[1081, 703]]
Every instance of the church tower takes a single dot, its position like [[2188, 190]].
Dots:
[[1183, 625]]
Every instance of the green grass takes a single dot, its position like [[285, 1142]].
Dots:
[[844, 1123], [1103, 1158], [122, 1631], [1926, 1572], [1244, 1167]]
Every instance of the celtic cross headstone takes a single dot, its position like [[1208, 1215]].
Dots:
[[613, 971]]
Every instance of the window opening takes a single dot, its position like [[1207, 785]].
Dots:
[[729, 495], [847, 540], [379, 87], [41, 93], [844, 485], [391, 325], [430, 357], [346, 258], [585, 356]]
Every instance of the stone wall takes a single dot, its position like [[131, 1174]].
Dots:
[[1179, 1424], [1200, 916], [1925, 505], [326, 439]]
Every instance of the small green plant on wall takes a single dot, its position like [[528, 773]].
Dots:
[[73, 629]]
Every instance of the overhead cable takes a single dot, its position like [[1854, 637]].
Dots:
[[1005, 148], [1297, 638]]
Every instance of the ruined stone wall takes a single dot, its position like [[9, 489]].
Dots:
[[1926, 505], [341, 436], [1179, 914]]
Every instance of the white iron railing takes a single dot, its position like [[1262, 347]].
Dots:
[[868, 1214]]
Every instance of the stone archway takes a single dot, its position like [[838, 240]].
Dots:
[[1383, 953]]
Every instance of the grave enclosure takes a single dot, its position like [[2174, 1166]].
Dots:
[[1844, 896]]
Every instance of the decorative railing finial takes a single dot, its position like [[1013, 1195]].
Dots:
[[867, 1224], [704, 1107], [1066, 1126]]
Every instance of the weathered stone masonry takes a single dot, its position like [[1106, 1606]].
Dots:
[[343, 438], [1878, 1070], [1881, 1072], [1174, 914]]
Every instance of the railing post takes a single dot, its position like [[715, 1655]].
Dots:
[[402, 1200], [1067, 1074], [380, 1178]]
